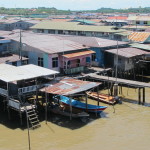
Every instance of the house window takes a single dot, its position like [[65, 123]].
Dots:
[[51, 31], [119, 60], [40, 62], [93, 56], [137, 22], [55, 62], [145, 22], [88, 59], [78, 63], [60, 31]]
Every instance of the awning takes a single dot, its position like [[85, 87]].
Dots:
[[72, 55], [11, 73], [69, 87]]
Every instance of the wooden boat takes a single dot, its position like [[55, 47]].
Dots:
[[65, 111], [102, 98], [80, 105]]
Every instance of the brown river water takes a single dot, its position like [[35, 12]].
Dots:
[[128, 128]]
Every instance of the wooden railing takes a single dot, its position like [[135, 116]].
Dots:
[[28, 89], [74, 70], [14, 103]]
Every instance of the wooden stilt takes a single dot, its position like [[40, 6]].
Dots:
[[8, 109], [98, 96], [139, 96], [70, 108], [45, 107], [143, 96], [20, 114], [86, 99], [35, 102]]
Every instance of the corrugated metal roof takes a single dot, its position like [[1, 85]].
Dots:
[[127, 52], [85, 21], [141, 46], [139, 36], [117, 18], [73, 26], [11, 58], [45, 42], [78, 54], [69, 86], [10, 73], [93, 41]]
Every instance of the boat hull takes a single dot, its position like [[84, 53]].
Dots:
[[65, 112], [102, 98], [80, 105]]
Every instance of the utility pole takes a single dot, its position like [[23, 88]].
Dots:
[[20, 45]]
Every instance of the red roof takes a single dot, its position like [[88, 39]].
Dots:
[[118, 18]]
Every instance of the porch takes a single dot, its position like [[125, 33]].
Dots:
[[76, 62]]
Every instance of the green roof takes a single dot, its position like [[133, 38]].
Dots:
[[85, 21], [73, 26], [124, 33], [141, 46]]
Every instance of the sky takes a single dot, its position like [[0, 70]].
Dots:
[[75, 4]]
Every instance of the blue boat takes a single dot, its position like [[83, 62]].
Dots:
[[80, 105]]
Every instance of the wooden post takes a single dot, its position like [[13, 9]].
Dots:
[[8, 100], [98, 95], [143, 95], [36, 93], [45, 106], [20, 114], [86, 97], [139, 95], [70, 102], [28, 129], [8, 112], [111, 89]]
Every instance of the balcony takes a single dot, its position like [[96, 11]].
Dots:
[[74, 70]]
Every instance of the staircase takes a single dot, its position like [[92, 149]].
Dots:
[[33, 118]]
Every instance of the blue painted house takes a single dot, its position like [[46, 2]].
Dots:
[[99, 45]]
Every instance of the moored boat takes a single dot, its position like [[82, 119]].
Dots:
[[65, 111], [102, 98], [80, 105]]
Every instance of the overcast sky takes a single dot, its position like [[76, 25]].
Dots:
[[75, 4]]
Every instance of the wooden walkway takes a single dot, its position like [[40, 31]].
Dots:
[[119, 80], [136, 84]]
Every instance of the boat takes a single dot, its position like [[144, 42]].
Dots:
[[102, 98], [65, 111], [80, 105]]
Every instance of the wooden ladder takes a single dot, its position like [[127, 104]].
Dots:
[[33, 118]]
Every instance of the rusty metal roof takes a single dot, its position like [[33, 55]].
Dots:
[[11, 58], [72, 55], [139, 36], [128, 52], [69, 86]]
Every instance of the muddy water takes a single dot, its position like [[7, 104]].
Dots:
[[128, 128]]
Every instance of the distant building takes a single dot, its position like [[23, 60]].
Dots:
[[139, 20], [73, 28], [12, 24]]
